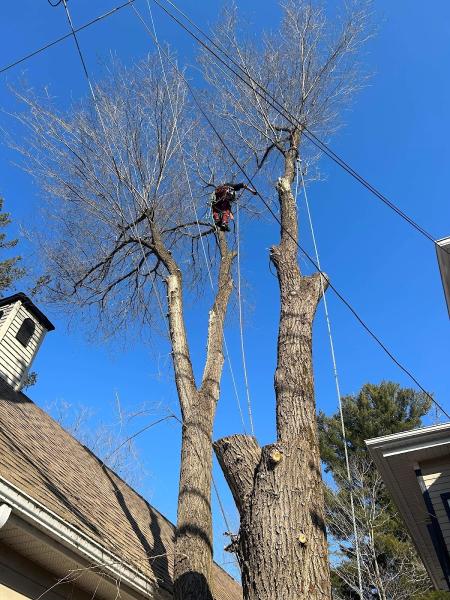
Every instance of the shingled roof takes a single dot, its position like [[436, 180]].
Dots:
[[44, 461]]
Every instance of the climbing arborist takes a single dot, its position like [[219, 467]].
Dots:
[[223, 196]]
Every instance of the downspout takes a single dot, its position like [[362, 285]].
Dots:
[[5, 513]]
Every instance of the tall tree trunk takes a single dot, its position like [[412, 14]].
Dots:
[[193, 551], [282, 545], [194, 543]]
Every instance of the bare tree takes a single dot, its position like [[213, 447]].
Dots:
[[123, 245], [112, 440], [399, 579], [123, 231], [310, 66], [10, 269]]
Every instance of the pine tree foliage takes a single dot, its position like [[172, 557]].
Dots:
[[391, 567], [375, 411], [10, 269]]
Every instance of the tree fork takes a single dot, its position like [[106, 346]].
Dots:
[[194, 543]]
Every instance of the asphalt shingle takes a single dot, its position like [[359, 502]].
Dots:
[[51, 466]]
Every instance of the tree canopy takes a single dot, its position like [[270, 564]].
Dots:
[[374, 411]]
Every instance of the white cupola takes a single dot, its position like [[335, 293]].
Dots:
[[22, 328]]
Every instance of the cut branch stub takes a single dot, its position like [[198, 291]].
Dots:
[[281, 547], [239, 457], [275, 455]]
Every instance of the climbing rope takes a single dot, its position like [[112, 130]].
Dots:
[[155, 36], [335, 371]]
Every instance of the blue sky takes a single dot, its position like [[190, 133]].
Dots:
[[396, 135]]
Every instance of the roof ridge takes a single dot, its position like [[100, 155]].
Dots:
[[31, 306]]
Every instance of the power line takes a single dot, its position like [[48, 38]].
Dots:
[[65, 37], [322, 146], [276, 105], [304, 252], [335, 290], [338, 294]]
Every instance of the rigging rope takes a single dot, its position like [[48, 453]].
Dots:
[[134, 225], [64, 37], [241, 326], [335, 372], [155, 35]]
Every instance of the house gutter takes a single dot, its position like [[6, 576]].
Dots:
[[45, 520]]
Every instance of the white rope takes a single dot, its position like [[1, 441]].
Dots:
[[241, 326], [233, 379], [336, 377], [154, 287]]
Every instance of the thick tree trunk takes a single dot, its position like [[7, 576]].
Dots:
[[282, 545]]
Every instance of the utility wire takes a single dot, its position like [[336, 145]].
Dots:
[[266, 94], [65, 37], [73, 32], [335, 373], [276, 105], [249, 179]]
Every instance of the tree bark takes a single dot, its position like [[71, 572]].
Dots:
[[282, 547], [194, 543]]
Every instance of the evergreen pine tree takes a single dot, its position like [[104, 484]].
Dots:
[[391, 567], [10, 269]]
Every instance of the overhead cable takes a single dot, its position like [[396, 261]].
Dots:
[[65, 37], [249, 179], [281, 109], [308, 134]]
